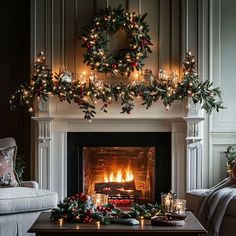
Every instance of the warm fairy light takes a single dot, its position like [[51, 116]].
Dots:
[[136, 75], [119, 175]]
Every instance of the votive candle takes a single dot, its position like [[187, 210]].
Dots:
[[179, 206]]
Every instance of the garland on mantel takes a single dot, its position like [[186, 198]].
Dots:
[[66, 87]]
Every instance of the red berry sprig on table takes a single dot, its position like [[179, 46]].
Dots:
[[105, 209]]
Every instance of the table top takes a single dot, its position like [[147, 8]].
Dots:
[[44, 224]]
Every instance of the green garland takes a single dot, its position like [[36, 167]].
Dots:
[[80, 208], [95, 41], [86, 95]]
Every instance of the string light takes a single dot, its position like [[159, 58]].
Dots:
[[105, 63], [166, 86]]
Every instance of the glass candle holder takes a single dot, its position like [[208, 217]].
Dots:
[[100, 199], [179, 206], [167, 201]]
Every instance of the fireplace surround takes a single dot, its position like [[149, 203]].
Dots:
[[56, 120], [91, 154]]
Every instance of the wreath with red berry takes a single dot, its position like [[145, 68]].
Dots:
[[111, 20]]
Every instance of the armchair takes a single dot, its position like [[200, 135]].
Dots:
[[21, 205], [215, 207]]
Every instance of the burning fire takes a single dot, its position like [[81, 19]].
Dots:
[[119, 175]]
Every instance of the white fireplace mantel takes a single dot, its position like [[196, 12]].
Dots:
[[55, 119]]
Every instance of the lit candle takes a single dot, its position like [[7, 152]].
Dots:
[[179, 206], [167, 201], [100, 199], [175, 78], [61, 222], [98, 224], [141, 221]]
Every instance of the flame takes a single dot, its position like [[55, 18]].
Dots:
[[119, 175], [128, 174], [111, 177]]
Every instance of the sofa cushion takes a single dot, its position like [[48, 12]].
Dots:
[[7, 175], [231, 209], [20, 199], [194, 199]]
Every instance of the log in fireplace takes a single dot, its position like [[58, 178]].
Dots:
[[128, 167]]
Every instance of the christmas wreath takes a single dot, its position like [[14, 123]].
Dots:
[[111, 20]]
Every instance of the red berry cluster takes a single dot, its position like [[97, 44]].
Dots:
[[78, 197], [87, 216], [105, 209]]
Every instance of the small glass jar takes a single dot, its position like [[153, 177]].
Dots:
[[147, 76], [99, 199], [167, 201], [179, 206]]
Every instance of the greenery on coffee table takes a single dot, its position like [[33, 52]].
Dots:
[[80, 208], [147, 211]]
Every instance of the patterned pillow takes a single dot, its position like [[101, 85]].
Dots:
[[7, 175]]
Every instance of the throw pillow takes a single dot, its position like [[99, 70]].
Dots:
[[7, 175]]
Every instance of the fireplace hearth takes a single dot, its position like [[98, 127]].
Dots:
[[128, 167]]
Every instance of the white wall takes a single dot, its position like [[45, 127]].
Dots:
[[209, 31], [222, 64]]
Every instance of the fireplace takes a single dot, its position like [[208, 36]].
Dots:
[[125, 174], [126, 166]]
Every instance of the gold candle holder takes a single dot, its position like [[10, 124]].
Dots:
[[179, 206], [100, 199]]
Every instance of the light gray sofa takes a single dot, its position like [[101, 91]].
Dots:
[[20, 206], [194, 200]]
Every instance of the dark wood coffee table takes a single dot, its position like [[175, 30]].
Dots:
[[44, 227]]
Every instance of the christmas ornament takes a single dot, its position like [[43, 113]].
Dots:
[[110, 20], [148, 76], [65, 76]]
